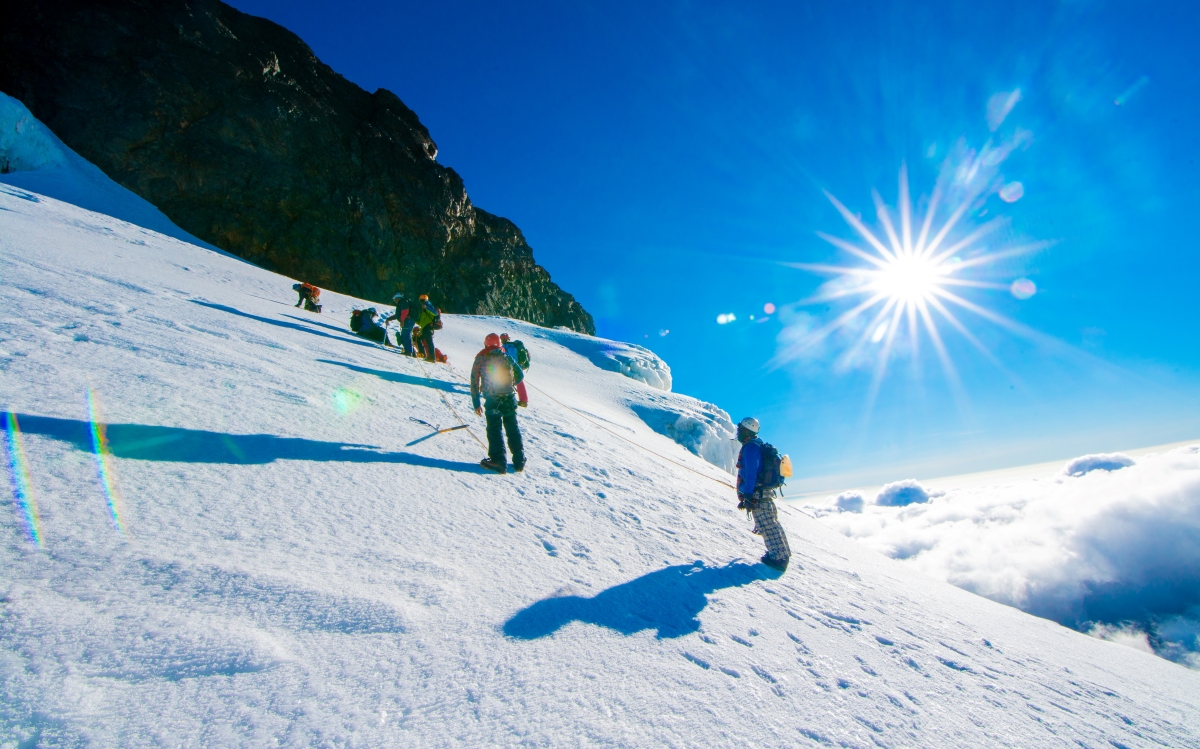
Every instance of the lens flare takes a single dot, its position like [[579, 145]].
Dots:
[[22, 487], [103, 457], [1023, 288], [346, 401], [909, 269], [1012, 192]]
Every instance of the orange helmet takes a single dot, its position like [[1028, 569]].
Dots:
[[424, 297], [491, 341]]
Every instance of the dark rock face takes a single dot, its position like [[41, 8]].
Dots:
[[233, 128]]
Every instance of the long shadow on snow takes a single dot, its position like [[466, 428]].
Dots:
[[331, 326], [172, 444], [403, 379], [668, 600], [348, 338]]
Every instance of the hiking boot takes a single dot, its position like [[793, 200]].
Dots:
[[492, 465], [518, 467], [774, 563]]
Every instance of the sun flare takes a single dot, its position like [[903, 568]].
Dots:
[[907, 280]]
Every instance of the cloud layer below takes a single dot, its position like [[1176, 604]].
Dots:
[[1109, 546]]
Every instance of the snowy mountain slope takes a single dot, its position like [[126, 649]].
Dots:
[[284, 560]]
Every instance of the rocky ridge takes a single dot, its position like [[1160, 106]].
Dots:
[[237, 132]]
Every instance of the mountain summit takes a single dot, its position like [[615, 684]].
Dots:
[[231, 126]]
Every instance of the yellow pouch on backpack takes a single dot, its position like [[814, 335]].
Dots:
[[785, 467]]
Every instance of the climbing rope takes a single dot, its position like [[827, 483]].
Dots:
[[619, 436], [442, 395]]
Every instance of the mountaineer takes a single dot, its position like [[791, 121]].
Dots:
[[761, 471], [495, 376], [310, 296]]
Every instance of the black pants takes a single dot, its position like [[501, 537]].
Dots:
[[502, 411], [374, 333], [427, 341]]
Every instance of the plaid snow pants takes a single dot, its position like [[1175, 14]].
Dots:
[[766, 524]]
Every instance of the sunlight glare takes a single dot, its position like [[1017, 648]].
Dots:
[[907, 270]]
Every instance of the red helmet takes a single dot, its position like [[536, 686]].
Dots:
[[491, 341]]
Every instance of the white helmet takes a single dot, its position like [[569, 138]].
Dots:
[[750, 424], [397, 296]]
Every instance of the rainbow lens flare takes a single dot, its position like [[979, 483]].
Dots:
[[104, 463], [346, 401], [22, 488]]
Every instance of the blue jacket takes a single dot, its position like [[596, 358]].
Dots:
[[748, 463]]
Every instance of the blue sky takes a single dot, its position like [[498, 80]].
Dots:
[[665, 159]]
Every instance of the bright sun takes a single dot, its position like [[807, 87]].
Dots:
[[910, 279], [907, 279]]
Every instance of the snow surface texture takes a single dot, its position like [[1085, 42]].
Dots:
[[32, 157], [268, 552], [1113, 552]]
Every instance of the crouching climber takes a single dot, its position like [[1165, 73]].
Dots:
[[759, 475], [310, 296], [495, 376], [363, 323]]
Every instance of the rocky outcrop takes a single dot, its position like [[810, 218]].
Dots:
[[233, 128]]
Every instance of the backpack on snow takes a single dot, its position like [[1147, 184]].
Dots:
[[773, 470], [522, 354], [356, 320]]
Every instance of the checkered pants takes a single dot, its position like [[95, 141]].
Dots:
[[766, 524]]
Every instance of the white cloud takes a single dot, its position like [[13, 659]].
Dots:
[[1097, 462], [849, 502], [1117, 548], [906, 492]]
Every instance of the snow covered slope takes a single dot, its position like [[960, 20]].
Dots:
[[272, 554]]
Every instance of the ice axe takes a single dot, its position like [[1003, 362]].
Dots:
[[435, 428]]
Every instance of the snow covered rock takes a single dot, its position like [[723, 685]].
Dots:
[[633, 361], [704, 429]]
